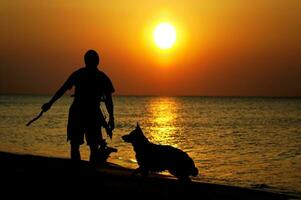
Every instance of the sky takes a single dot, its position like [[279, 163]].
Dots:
[[223, 48]]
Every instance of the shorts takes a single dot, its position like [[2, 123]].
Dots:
[[84, 123]]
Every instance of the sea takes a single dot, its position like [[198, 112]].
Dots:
[[252, 142]]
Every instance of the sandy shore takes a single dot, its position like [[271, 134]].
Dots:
[[29, 175]]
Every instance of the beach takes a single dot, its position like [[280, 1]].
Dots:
[[30, 176]]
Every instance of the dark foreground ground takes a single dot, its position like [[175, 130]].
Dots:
[[42, 177]]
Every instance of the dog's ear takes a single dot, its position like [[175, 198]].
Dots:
[[138, 126]]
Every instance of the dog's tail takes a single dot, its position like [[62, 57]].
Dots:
[[195, 171]]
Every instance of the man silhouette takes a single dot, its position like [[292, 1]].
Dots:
[[91, 87]]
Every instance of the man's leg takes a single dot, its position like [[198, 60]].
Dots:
[[75, 153], [75, 133], [93, 138], [102, 144], [93, 153]]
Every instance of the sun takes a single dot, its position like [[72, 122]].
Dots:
[[165, 35]]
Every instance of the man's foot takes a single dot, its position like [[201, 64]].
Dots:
[[104, 153]]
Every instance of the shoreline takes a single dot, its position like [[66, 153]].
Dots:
[[60, 176]]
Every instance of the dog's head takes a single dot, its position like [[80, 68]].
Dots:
[[135, 136]]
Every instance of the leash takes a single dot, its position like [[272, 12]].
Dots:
[[103, 117]]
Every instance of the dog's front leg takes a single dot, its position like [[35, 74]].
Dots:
[[144, 172]]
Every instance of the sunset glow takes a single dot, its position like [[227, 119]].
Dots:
[[207, 48]]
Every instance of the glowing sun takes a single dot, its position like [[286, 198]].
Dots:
[[165, 35]]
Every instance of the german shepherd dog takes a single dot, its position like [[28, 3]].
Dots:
[[156, 158]]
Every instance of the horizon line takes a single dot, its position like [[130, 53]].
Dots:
[[153, 95]]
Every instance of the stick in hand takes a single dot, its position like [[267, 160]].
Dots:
[[36, 118]]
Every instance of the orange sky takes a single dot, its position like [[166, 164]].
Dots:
[[233, 47]]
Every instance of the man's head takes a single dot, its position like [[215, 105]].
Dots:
[[91, 59]]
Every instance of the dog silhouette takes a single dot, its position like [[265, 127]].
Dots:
[[156, 158]]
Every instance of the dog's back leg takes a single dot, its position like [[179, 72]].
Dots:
[[144, 172]]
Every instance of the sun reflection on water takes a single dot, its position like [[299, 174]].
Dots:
[[164, 112]]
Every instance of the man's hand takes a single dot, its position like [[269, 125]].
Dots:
[[111, 123], [46, 107]]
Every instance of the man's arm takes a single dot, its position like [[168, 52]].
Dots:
[[67, 85], [110, 109]]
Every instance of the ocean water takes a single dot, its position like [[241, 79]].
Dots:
[[247, 142]]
